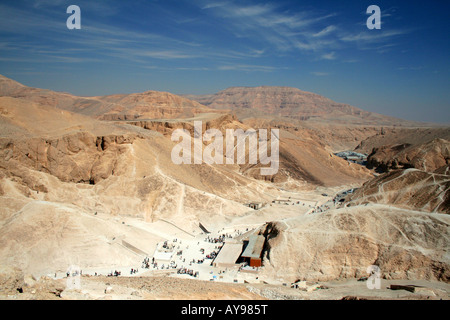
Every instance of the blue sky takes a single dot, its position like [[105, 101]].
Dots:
[[199, 47]]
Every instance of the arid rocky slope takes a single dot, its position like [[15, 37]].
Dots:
[[68, 182], [146, 105], [291, 103], [410, 189], [398, 221], [391, 136], [343, 243], [428, 156], [57, 177], [79, 177], [303, 158]]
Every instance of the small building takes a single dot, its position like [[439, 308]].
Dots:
[[253, 251], [282, 201], [228, 255], [161, 256], [255, 205], [163, 253]]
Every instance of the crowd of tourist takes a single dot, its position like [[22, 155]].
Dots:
[[180, 259]]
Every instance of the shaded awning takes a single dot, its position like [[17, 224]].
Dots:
[[254, 247]]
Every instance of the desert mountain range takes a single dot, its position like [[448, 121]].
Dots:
[[81, 175], [292, 103], [146, 105]]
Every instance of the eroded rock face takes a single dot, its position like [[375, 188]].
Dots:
[[426, 156], [79, 157], [393, 222], [146, 105], [287, 102], [393, 136], [11, 280], [301, 158], [411, 189], [167, 127], [342, 243]]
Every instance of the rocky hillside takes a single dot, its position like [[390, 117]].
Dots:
[[60, 172], [398, 221], [427, 156], [303, 159], [343, 243], [95, 153], [291, 103], [73, 186], [146, 105], [410, 189], [391, 136]]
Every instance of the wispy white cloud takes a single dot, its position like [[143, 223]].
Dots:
[[283, 31], [325, 31], [213, 5], [275, 28], [89, 44], [47, 3], [320, 74], [252, 10], [367, 36], [161, 54], [329, 56], [270, 31], [245, 67], [411, 68]]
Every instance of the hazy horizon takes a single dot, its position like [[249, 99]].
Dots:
[[202, 47]]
